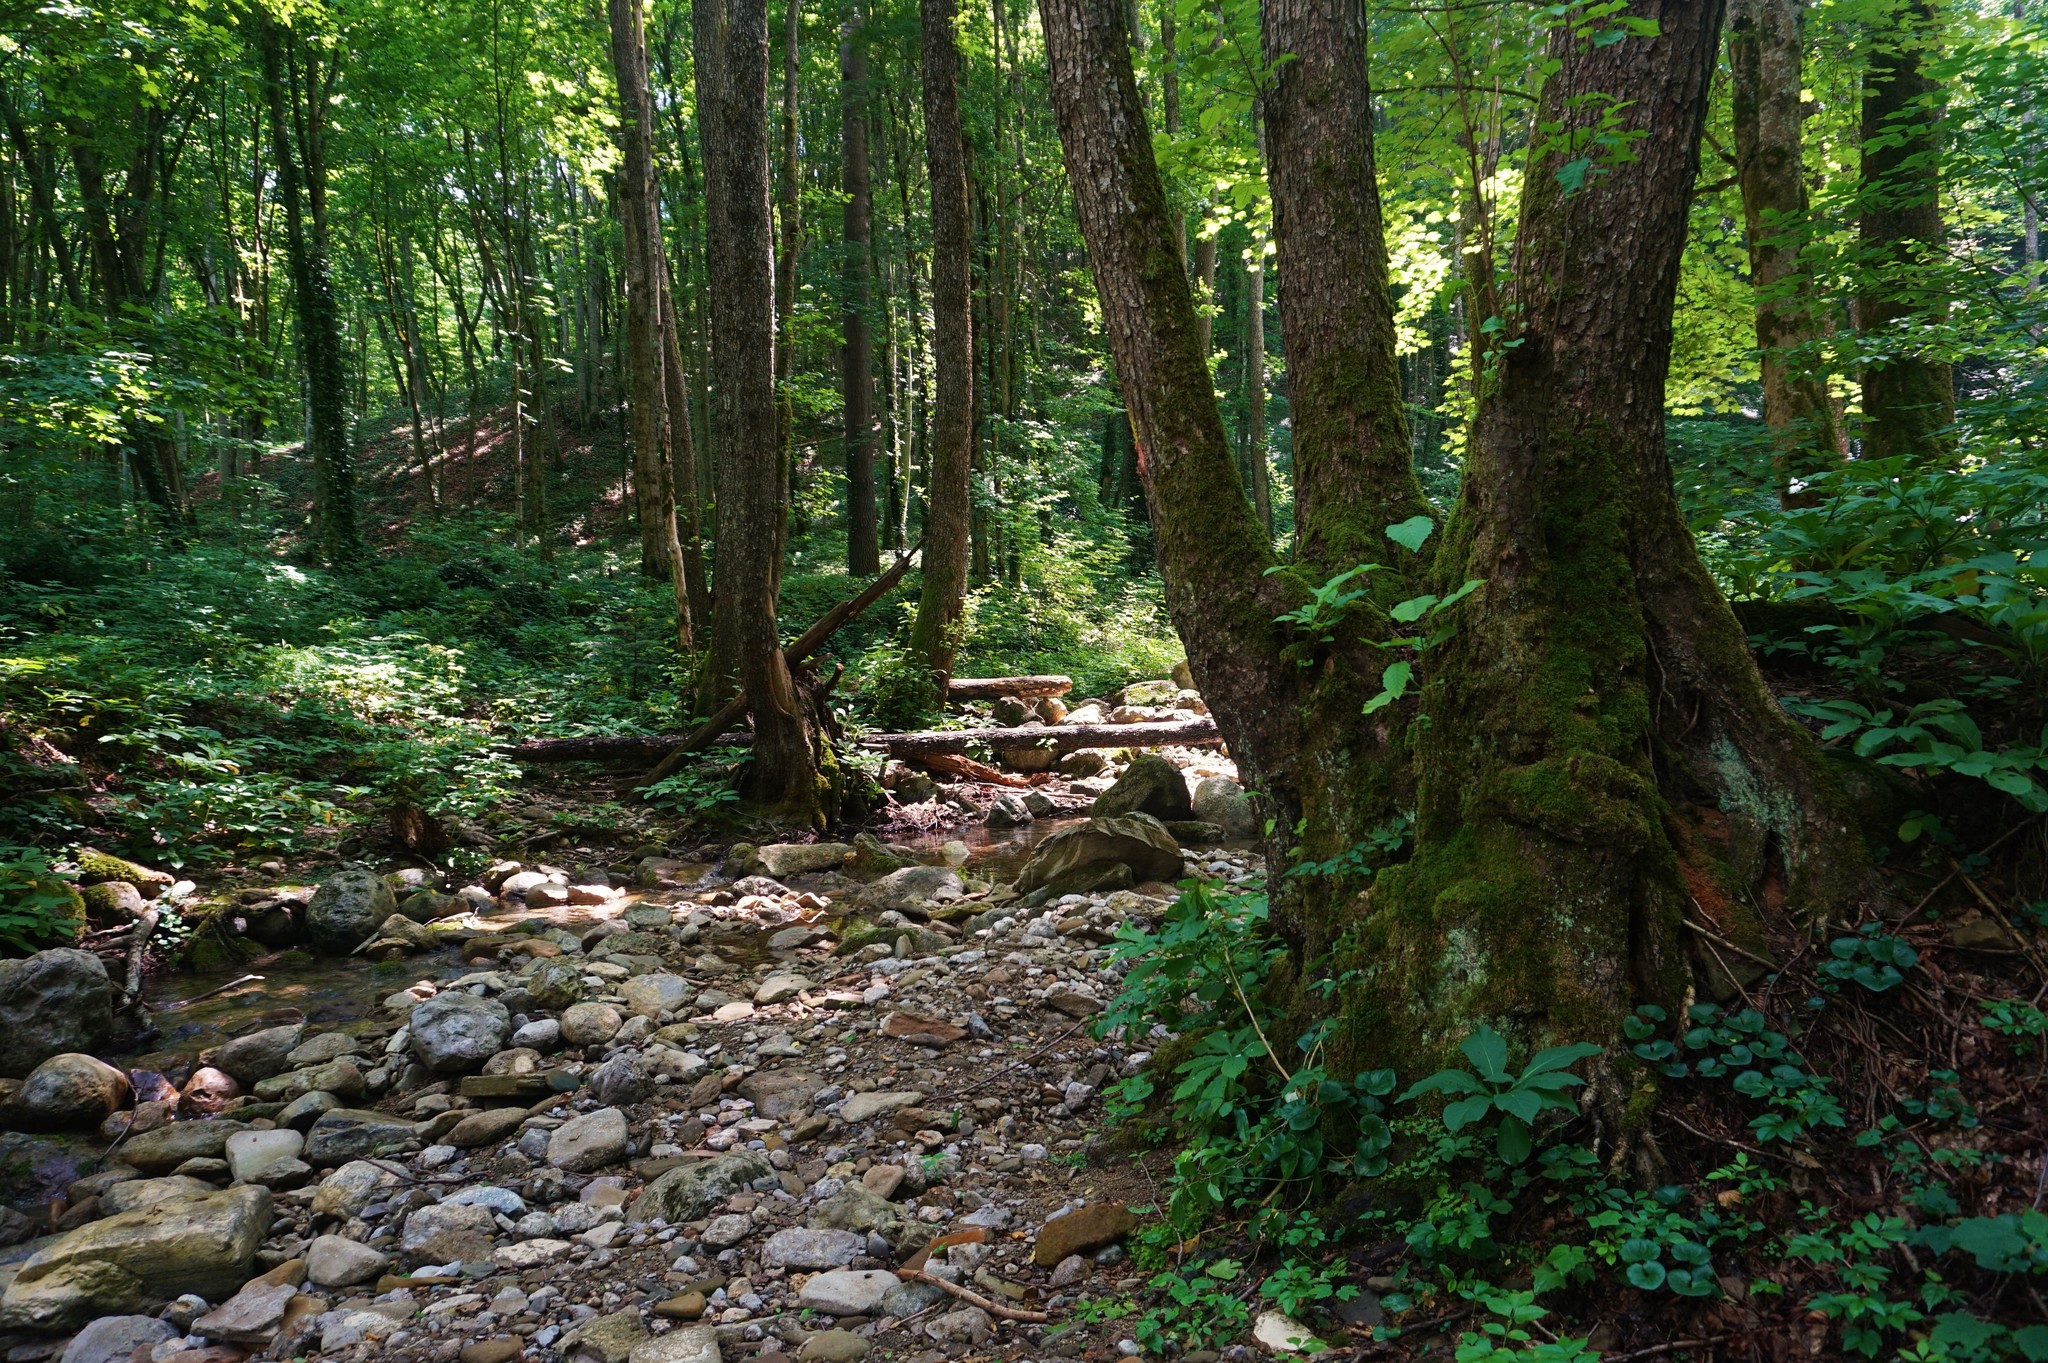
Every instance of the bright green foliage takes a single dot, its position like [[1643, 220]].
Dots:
[[1493, 1095], [37, 907]]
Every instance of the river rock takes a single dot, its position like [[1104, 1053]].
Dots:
[[336, 1261], [779, 1094], [591, 1024], [353, 1134], [208, 1092], [555, 984], [347, 908], [112, 1339], [846, 1292], [781, 860], [260, 1055], [1223, 802], [52, 1003], [164, 1149], [321, 1049], [267, 1157], [689, 1344], [690, 1191], [1007, 811], [1280, 1333], [1095, 855], [485, 1128], [541, 1034], [138, 1193], [447, 1232], [429, 906], [1084, 1228], [252, 1316], [914, 887], [349, 1189], [652, 995], [455, 1032], [862, 1107], [119, 1265], [1150, 785], [804, 1247], [781, 988], [833, 1346], [72, 1091], [589, 1142]]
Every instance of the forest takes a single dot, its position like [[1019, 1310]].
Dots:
[[718, 680]]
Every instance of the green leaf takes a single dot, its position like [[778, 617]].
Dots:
[[1488, 1052], [1572, 174], [1411, 533], [1466, 1111], [1512, 1140]]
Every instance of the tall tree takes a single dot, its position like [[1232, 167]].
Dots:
[[731, 49], [789, 215], [1595, 677], [661, 550], [1766, 58], [950, 448], [298, 89], [856, 366], [1908, 394]]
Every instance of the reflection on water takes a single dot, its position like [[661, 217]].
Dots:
[[992, 853]]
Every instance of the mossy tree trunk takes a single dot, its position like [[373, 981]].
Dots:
[[791, 755], [1594, 746]]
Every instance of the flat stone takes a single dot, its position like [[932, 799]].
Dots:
[[112, 1339], [485, 1128], [252, 1316], [803, 1247], [255, 1156], [781, 988], [653, 995], [833, 1346], [164, 1149], [686, 1344], [690, 1191], [1280, 1333], [863, 1106], [611, 1339], [1084, 1228], [687, 1306], [846, 1292], [883, 1179], [590, 1142], [921, 1031], [517, 1258], [445, 1234], [336, 1261], [498, 1349], [346, 1134]]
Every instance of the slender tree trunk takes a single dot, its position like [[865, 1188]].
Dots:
[[319, 320], [1909, 396], [1252, 444], [1765, 55], [863, 548], [651, 421], [789, 211], [1596, 692], [731, 45], [950, 452]]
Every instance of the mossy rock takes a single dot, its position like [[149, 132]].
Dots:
[[110, 902], [97, 868], [213, 947]]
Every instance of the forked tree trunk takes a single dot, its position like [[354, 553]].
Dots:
[[1908, 396], [1597, 696], [731, 48], [950, 452], [863, 539], [1765, 56]]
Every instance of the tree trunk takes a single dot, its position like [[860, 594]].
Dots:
[[863, 546], [647, 402], [950, 452], [319, 320], [1765, 56], [1597, 696], [731, 46], [1258, 476], [1909, 396], [789, 213]]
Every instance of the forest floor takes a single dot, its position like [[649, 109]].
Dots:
[[867, 1080]]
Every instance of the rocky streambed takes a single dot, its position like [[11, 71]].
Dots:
[[801, 1101]]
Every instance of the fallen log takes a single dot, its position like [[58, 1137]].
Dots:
[[954, 764], [1188, 733], [640, 748], [1025, 688]]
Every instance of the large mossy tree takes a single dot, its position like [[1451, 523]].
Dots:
[[1590, 757]]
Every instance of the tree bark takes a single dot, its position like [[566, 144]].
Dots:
[[863, 540], [731, 47], [1595, 733], [297, 136], [1258, 476], [789, 213], [647, 358], [950, 448], [1765, 56], [1908, 396]]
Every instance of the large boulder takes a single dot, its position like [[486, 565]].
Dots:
[[51, 1003], [1150, 785], [1101, 854], [1223, 802], [70, 1091], [455, 1032], [690, 1191], [347, 908], [138, 1260], [781, 860]]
